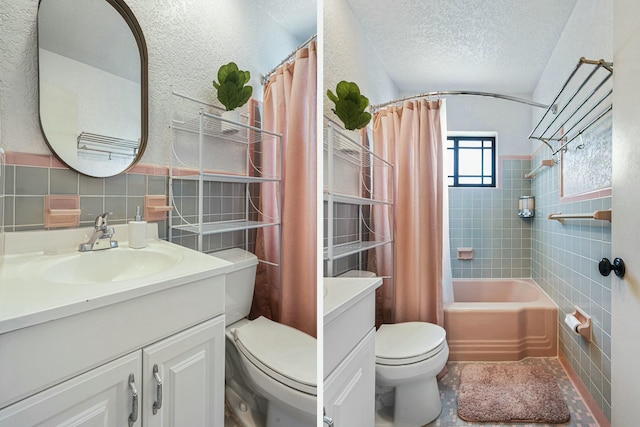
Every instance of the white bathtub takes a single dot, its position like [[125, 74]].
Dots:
[[500, 319]]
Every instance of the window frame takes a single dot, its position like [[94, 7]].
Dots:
[[456, 137]]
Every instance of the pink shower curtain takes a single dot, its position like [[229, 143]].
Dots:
[[290, 109], [414, 136]]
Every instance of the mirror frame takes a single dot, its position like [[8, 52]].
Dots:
[[127, 14]]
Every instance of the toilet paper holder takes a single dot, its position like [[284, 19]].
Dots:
[[579, 322]]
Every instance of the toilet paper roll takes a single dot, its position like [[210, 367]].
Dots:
[[572, 322]]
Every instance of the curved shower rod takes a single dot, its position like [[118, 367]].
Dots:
[[264, 78], [462, 92]]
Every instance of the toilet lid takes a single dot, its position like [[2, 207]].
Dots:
[[409, 342], [282, 352]]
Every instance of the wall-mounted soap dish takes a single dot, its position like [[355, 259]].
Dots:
[[61, 211], [156, 208], [465, 253]]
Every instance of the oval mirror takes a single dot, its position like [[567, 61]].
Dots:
[[92, 64]]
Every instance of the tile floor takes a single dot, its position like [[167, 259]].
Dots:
[[580, 415], [229, 419]]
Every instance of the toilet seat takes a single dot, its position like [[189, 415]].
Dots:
[[410, 342], [283, 353]]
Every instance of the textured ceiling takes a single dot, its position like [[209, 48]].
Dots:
[[485, 45], [297, 17]]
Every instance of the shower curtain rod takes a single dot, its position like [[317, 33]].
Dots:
[[461, 92], [265, 77]]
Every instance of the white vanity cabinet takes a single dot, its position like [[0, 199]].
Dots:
[[190, 369], [349, 350], [190, 366], [68, 349], [350, 390], [100, 397]]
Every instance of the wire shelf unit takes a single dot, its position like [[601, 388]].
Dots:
[[219, 162], [354, 175]]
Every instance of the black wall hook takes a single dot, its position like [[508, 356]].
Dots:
[[606, 267]]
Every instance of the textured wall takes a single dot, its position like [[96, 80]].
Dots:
[[348, 55], [589, 34], [509, 119], [187, 41]]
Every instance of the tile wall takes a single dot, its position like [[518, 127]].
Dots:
[[222, 201], [561, 258], [564, 263], [346, 228], [486, 219], [26, 186]]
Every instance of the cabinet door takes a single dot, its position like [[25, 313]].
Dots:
[[349, 392], [101, 397], [190, 366]]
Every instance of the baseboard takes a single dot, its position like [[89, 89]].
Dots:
[[582, 390]]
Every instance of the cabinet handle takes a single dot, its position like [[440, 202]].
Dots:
[[158, 403], [133, 417]]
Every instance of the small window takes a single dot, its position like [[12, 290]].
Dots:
[[471, 161]]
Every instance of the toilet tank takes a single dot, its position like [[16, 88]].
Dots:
[[239, 283]]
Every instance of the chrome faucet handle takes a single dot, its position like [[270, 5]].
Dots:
[[101, 220]]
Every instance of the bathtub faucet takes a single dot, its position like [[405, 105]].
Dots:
[[101, 237]]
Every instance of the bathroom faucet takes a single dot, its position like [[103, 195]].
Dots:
[[101, 232]]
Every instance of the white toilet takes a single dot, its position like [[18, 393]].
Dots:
[[409, 356], [270, 368]]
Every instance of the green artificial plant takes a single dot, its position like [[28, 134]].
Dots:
[[350, 105], [232, 92]]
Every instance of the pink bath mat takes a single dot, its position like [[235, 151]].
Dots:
[[510, 393]]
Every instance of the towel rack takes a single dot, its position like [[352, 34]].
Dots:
[[599, 215], [107, 144], [581, 102], [534, 171]]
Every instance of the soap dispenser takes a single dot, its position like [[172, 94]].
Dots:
[[137, 232]]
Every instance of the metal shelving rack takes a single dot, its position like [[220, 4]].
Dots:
[[198, 127], [342, 151], [585, 98]]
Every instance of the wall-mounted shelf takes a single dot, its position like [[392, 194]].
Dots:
[[583, 100], [108, 145], [597, 215], [543, 164]]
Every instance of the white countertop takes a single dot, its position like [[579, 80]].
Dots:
[[27, 299], [344, 292]]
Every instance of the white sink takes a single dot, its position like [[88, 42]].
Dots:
[[109, 265], [64, 312], [44, 277]]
